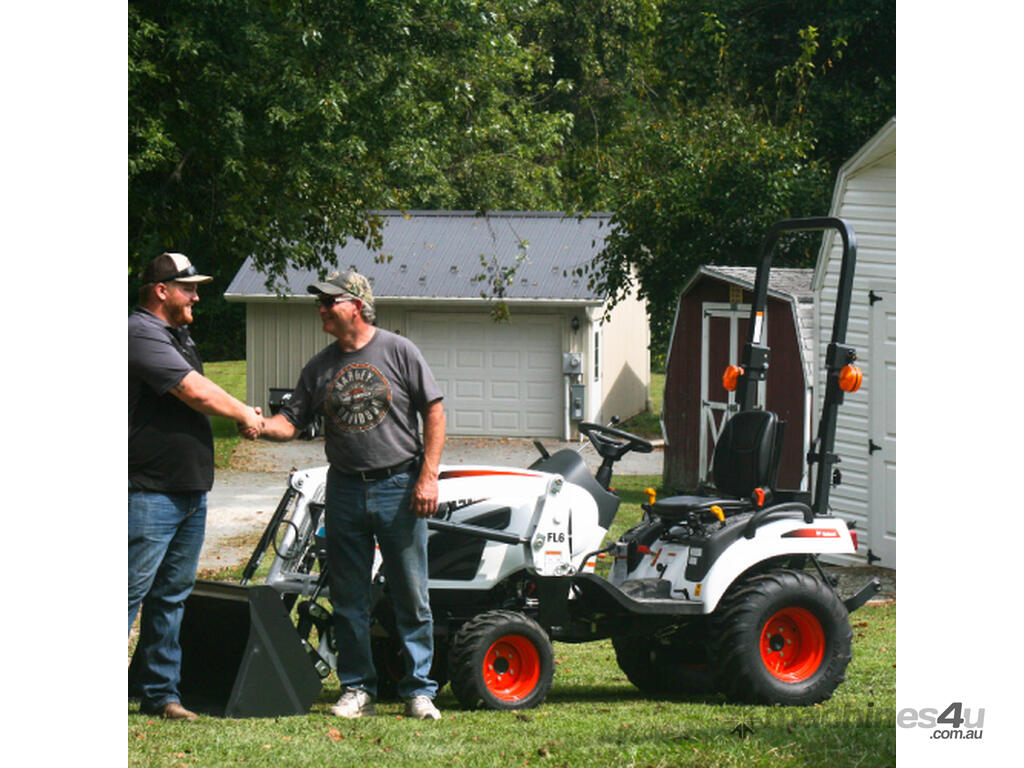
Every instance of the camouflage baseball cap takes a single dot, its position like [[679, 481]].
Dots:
[[347, 283]]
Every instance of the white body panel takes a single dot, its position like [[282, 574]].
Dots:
[[559, 523], [541, 506], [668, 561], [559, 520]]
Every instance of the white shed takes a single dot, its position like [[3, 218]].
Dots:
[[865, 196], [557, 361]]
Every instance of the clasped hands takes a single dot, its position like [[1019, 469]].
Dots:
[[252, 426]]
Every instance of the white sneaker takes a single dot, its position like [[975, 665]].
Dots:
[[354, 702], [422, 707]]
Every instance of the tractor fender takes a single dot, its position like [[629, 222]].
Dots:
[[775, 539], [558, 519]]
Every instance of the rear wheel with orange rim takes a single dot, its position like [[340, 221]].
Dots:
[[781, 637]]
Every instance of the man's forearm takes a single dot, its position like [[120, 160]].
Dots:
[[203, 395], [433, 438], [278, 428], [424, 494]]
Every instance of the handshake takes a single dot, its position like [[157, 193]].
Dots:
[[252, 424]]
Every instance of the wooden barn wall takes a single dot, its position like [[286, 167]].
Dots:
[[681, 408], [785, 391]]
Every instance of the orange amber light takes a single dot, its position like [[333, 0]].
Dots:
[[850, 378], [731, 377]]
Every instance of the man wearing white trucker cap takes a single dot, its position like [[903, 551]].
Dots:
[[372, 387], [170, 470]]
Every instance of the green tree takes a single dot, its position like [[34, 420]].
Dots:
[[755, 106], [829, 63], [276, 128], [704, 188], [602, 73]]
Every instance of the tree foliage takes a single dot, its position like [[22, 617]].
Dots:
[[753, 107], [828, 64], [704, 188], [603, 75], [275, 128]]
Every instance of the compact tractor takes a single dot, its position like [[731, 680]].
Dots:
[[716, 591]]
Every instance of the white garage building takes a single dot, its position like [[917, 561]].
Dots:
[[557, 360]]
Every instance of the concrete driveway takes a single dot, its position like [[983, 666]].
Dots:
[[245, 496]]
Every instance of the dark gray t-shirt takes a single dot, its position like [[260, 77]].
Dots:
[[170, 445], [370, 400]]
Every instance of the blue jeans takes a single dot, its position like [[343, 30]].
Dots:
[[355, 512], [165, 534]]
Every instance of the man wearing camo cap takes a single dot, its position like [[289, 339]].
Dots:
[[371, 386]]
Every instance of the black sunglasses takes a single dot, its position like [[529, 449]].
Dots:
[[329, 301]]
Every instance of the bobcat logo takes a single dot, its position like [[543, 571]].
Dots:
[[358, 398]]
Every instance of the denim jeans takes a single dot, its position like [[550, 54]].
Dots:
[[165, 534], [356, 512]]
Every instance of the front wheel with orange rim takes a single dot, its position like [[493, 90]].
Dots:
[[501, 660], [781, 637]]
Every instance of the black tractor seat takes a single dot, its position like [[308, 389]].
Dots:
[[745, 469], [675, 508]]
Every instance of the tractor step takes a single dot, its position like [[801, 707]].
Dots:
[[647, 589], [649, 597], [864, 594]]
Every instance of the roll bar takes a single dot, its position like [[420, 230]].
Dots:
[[838, 355]]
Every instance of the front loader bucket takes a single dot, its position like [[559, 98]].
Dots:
[[241, 655]]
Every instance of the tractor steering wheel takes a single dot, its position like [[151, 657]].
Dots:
[[603, 439]]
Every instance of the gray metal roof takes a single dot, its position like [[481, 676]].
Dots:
[[782, 280], [436, 254]]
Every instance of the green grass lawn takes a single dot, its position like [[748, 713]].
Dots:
[[593, 717]]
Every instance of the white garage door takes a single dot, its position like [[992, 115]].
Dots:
[[498, 378]]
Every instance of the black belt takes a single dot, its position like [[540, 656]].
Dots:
[[383, 474]]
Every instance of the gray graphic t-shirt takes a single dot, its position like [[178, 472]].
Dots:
[[370, 400]]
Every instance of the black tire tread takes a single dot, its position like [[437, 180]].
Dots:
[[463, 667], [735, 630], [664, 670]]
